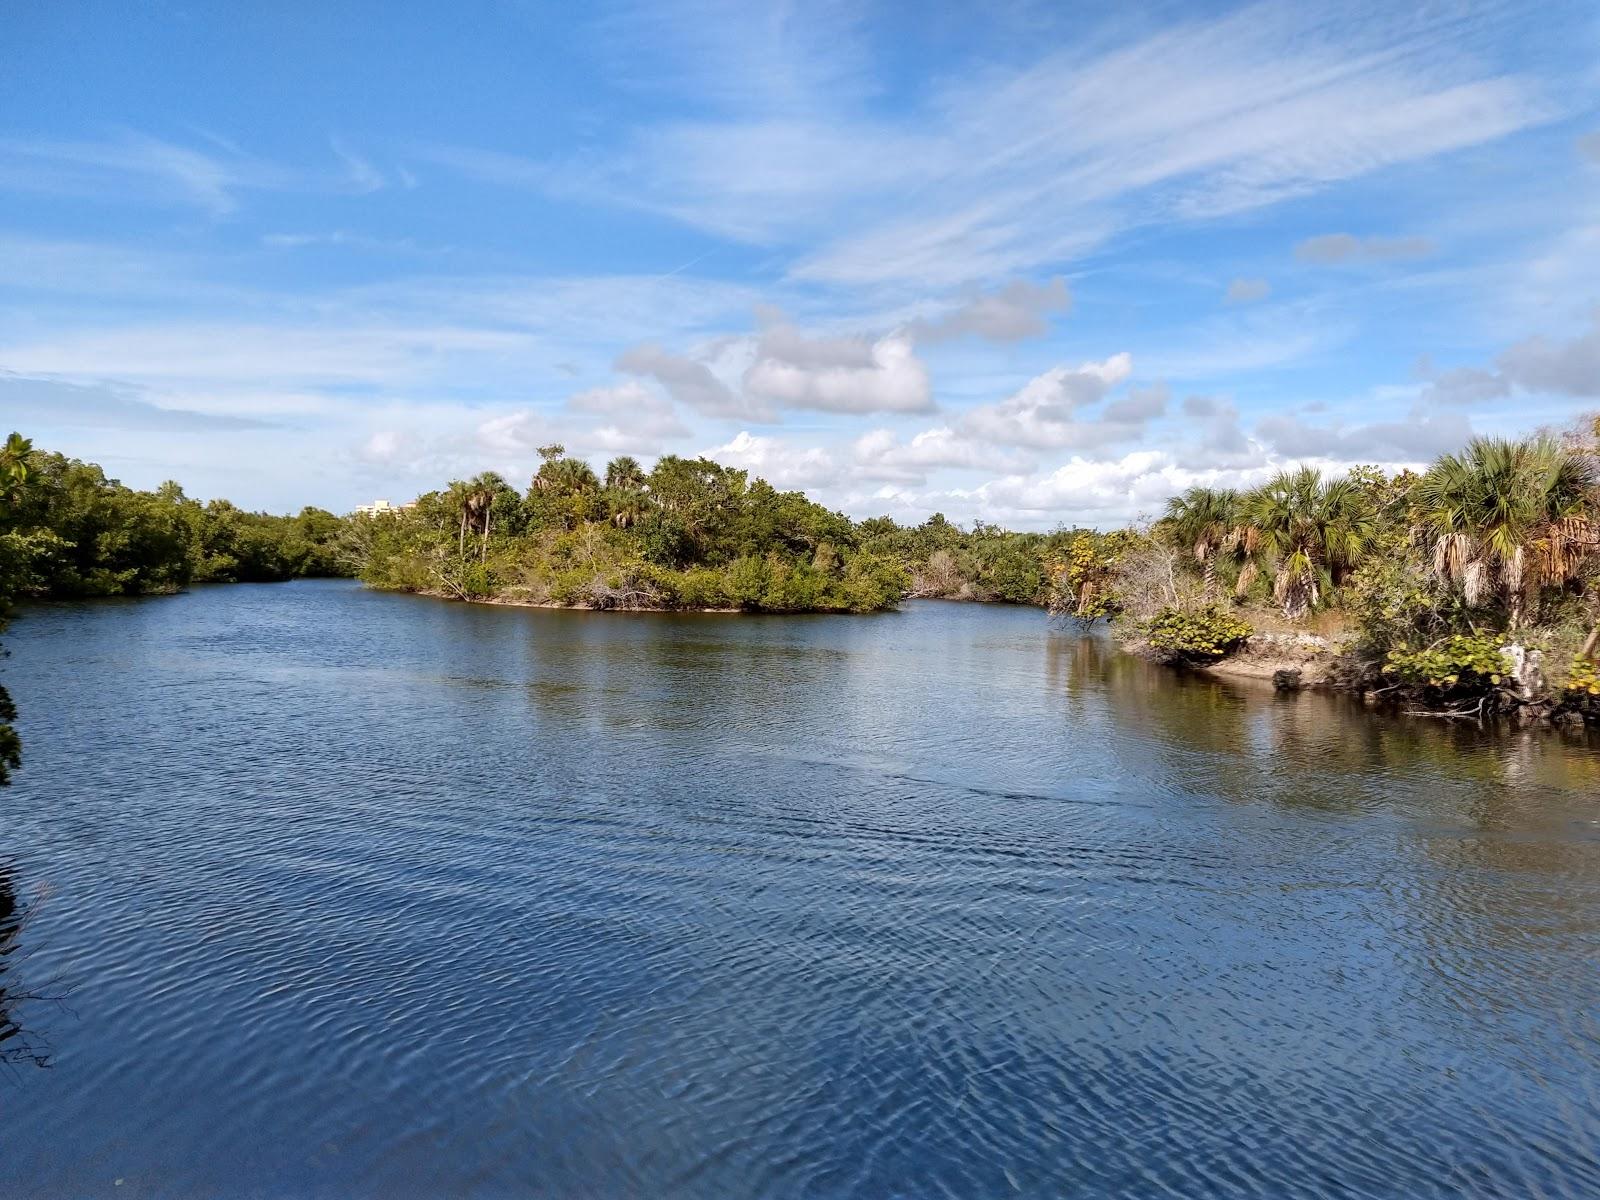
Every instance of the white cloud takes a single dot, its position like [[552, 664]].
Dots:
[[1011, 168], [1048, 410], [1569, 367], [880, 454], [360, 175], [781, 464], [691, 382], [97, 406], [634, 418], [1008, 314], [135, 166], [1246, 291], [255, 353], [1539, 365], [1421, 437], [838, 374]]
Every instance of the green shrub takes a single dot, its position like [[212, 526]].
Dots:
[[747, 581], [1201, 635], [1583, 677], [701, 587], [1464, 661]]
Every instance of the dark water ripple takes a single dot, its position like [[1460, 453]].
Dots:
[[362, 895]]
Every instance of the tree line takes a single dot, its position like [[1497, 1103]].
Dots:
[[69, 531], [686, 534], [1425, 576]]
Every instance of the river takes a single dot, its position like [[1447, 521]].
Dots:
[[367, 895]]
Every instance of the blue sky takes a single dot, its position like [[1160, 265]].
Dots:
[[1030, 263]]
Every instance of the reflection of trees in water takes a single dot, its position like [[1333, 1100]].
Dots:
[[1490, 887], [1239, 739], [18, 1045]]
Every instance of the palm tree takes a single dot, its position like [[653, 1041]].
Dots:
[[624, 474], [1504, 519], [559, 475], [625, 488], [459, 497], [1307, 530], [1201, 520], [14, 471], [477, 509], [573, 477]]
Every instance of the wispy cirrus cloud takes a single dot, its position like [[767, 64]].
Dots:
[[129, 164], [98, 406], [1004, 170]]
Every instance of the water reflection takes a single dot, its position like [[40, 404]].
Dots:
[[19, 1045], [425, 899]]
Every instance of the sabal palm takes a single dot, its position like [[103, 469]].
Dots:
[[478, 505], [624, 474], [566, 477], [1504, 519], [625, 490], [627, 505], [1201, 520], [1307, 530], [459, 497]]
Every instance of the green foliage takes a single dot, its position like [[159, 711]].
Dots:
[[1202, 521], [68, 530], [1583, 677], [1306, 532], [1201, 635], [1506, 519], [1394, 599], [10, 742], [1463, 661], [1083, 574], [691, 533]]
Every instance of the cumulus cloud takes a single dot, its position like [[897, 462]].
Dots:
[[838, 374], [634, 418], [1048, 411], [1466, 386], [1422, 436], [691, 383], [778, 462], [1016, 311], [1567, 368], [1247, 291], [1336, 249], [1542, 365], [881, 454], [1212, 435], [1099, 492]]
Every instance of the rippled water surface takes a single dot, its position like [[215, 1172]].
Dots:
[[372, 896]]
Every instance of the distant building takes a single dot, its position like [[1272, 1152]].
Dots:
[[382, 508]]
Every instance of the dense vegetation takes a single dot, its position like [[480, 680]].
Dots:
[[66, 530], [688, 534], [1423, 580], [1440, 584]]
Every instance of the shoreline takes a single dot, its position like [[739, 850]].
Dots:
[[1309, 662], [1287, 662]]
